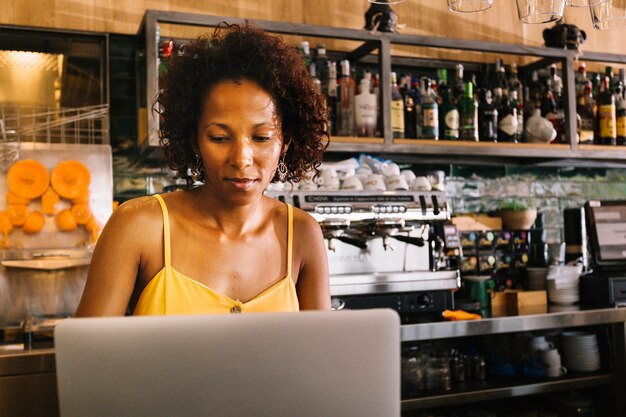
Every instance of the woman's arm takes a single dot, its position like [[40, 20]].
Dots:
[[116, 261], [313, 285]]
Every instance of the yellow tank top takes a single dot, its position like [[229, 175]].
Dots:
[[171, 292]]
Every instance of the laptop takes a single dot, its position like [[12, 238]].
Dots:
[[307, 364]]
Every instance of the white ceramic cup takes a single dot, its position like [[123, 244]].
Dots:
[[375, 182], [551, 357], [389, 168], [556, 371], [540, 343], [352, 183], [421, 184], [328, 183], [408, 175], [396, 182]]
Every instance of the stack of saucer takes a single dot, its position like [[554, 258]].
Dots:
[[562, 284], [581, 351]]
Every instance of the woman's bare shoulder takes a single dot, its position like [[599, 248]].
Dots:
[[136, 215]]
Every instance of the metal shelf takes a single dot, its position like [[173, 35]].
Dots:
[[482, 391], [381, 43], [431, 331]]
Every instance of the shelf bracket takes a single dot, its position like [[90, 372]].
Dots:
[[362, 51]]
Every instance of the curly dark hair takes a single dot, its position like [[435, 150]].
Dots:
[[234, 52]]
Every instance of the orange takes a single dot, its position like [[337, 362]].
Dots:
[[17, 214], [83, 199], [94, 228], [28, 178], [81, 212], [65, 221], [34, 222], [5, 228], [70, 179], [49, 201], [13, 198]]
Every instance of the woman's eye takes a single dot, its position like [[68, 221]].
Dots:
[[262, 138], [218, 139]]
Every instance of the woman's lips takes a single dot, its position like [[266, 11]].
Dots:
[[240, 184]]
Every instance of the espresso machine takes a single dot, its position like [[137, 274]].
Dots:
[[387, 249]]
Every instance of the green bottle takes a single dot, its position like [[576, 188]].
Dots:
[[448, 118], [468, 110]]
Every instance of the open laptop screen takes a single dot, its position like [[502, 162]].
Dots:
[[307, 364]]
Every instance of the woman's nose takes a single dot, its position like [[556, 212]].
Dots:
[[241, 153]]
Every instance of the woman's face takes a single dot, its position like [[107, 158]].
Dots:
[[239, 140]]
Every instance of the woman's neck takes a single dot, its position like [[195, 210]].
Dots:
[[233, 220]]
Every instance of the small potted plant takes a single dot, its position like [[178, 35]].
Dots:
[[516, 215]]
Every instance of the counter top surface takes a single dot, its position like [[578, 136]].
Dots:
[[16, 361]]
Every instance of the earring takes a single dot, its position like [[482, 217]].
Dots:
[[196, 170], [282, 169]]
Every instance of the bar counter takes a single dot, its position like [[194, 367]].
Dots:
[[27, 377]]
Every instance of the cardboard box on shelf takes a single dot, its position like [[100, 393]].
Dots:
[[518, 303]]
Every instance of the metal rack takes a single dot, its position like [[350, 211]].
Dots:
[[376, 49]]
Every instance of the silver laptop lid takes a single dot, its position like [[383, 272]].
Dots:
[[266, 364]]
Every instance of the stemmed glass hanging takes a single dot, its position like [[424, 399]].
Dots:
[[386, 1], [608, 14], [582, 3], [540, 11], [469, 6]]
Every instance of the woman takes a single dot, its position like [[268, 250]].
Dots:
[[237, 111]]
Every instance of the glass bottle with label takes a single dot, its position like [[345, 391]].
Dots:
[[321, 66], [586, 109], [316, 81], [365, 110], [448, 118], [514, 103], [345, 101], [620, 114], [430, 112], [507, 118], [515, 84], [458, 88], [409, 109], [606, 115], [397, 109], [331, 98], [305, 51], [468, 111], [488, 118]]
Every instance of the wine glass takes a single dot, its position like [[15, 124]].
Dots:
[[386, 1], [582, 3], [540, 11], [608, 14], [469, 6]]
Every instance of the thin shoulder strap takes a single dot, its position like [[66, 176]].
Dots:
[[289, 238], [166, 230]]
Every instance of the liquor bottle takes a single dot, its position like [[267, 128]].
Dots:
[[345, 101], [581, 78], [365, 110], [321, 65], [331, 98], [555, 83], [535, 95], [458, 88], [501, 80], [448, 118], [515, 104], [516, 85], [620, 114], [376, 92], [507, 118], [305, 51], [442, 84], [417, 102], [316, 81], [410, 127], [608, 72], [397, 109], [606, 115], [430, 112], [586, 109], [468, 111], [488, 118]]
